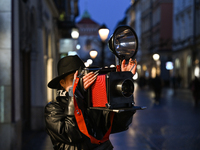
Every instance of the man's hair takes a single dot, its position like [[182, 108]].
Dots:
[[59, 87]]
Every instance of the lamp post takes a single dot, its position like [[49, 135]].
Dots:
[[103, 33], [156, 58]]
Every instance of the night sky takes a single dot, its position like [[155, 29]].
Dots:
[[108, 12]]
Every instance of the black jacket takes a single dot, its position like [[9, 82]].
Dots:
[[65, 134]]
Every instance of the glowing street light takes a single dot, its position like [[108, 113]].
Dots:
[[156, 57], [89, 61], [93, 54], [75, 33], [103, 32], [78, 46]]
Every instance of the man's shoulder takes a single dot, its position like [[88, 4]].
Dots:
[[53, 105]]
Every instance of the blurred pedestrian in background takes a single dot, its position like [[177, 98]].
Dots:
[[174, 84], [179, 80], [157, 88], [195, 88], [142, 82]]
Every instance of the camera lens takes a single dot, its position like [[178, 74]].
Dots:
[[125, 88]]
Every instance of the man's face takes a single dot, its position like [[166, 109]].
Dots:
[[67, 82]]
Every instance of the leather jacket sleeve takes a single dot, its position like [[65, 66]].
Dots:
[[60, 126]]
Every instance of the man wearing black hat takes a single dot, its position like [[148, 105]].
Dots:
[[61, 124]]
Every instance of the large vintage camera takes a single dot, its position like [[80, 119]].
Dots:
[[113, 90]]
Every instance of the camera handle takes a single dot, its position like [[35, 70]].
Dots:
[[81, 121], [117, 64]]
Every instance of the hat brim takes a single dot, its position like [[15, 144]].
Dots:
[[54, 83]]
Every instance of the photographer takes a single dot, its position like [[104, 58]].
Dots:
[[61, 124]]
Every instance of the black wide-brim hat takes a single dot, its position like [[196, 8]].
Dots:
[[66, 66]]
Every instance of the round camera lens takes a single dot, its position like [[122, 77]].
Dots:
[[127, 88]]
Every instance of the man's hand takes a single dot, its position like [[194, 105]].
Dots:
[[131, 66], [89, 79]]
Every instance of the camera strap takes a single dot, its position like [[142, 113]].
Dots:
[[81, 121]]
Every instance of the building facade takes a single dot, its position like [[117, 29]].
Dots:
[[38, 56], [89, 40], [29, 52], [133, 15], [152, 21], [161, 42], [168, 28], [186, 40]]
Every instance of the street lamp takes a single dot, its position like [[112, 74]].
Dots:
[[93, 54], [103, 33], [75, 33], [156, 57]]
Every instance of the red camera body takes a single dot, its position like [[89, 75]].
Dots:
[[112, 90]]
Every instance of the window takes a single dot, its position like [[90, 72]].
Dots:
[[189, 61], [177, 63]]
